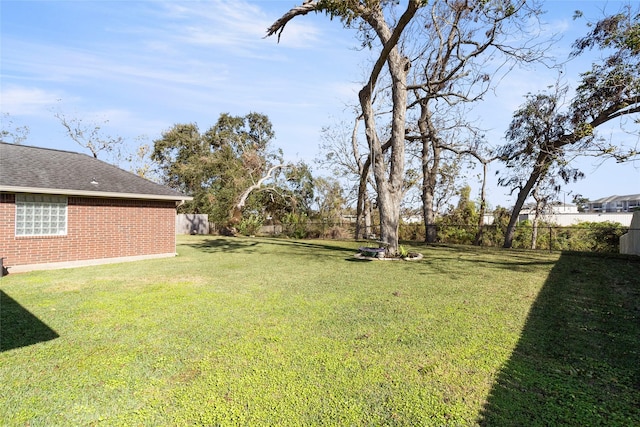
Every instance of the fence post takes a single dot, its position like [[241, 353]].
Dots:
[[550, 236]]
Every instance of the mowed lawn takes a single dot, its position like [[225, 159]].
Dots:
[[275, 332]]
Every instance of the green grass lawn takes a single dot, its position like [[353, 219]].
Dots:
[[244, 331]]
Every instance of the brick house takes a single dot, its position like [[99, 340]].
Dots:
[[60, 208]]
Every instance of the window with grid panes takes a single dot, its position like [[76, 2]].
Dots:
[[41, 215]]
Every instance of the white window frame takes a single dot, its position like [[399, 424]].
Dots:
[[41, 215]]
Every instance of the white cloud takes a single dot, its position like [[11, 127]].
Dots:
[[237, 26], [64, 65], [20, 100]]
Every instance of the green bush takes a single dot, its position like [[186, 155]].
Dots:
[[412, 232], [585, 237], [492, 236], [295, 225], [456, 234], [249, 226], [594, 237], [522, 235]]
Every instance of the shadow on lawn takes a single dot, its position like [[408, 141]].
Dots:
[[443, 264], [576, 362], [231, 244], [224, 244], [20, 328]]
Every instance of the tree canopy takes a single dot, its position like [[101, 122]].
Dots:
[[227, 167]]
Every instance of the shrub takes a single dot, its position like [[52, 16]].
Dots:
[[413, 231], [602, 236], [295, 225], [336, 232], [456, 234], [585, 237], [249, 226]]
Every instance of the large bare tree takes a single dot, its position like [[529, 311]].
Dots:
[[388, 169], [466, 48]]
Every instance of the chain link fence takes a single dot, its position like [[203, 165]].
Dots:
[[593, 237], [600, 237]]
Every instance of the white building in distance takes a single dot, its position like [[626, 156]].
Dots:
[[614, 204]]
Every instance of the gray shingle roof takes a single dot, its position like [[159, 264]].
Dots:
[[33, 169], [610, 199]]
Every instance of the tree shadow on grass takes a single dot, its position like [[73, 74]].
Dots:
[[576, 362], [252, 245], [315, 245], [20, 328], [224, 244], [444, 264]]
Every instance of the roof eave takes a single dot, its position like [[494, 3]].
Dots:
[[70, 192]]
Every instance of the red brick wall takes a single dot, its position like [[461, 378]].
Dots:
[[96, 228]]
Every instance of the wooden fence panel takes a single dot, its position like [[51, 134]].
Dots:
[[192, 224]]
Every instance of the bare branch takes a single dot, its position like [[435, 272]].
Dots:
[[89, 136], [237, 208], [278, 26]]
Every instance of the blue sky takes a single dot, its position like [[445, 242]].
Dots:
[[146, 65]]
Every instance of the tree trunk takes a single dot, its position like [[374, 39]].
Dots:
[[538, 169], [367, 218], [540, 206], [483, 206], [358, 234], [389, 208], [428, 195], [390, 188], [363, 200], [363, 218], [430, 153], [429, 217], [534, 231]]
